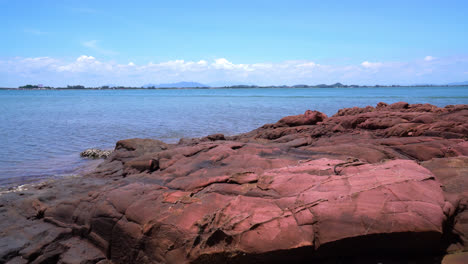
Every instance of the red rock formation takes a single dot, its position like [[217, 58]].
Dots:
[[368, 184]]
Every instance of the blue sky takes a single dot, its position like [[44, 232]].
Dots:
[[226, 42]]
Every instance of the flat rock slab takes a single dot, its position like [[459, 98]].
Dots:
[[303, 205]]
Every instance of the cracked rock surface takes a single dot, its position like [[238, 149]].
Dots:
[[376, 184]]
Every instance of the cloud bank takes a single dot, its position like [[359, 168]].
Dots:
[[90, 71]]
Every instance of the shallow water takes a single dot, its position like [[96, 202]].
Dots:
[[42, 132]]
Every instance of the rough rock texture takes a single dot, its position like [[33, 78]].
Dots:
[[94, 153], [376, 184]]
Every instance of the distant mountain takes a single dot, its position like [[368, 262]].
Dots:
[[176, 85], [459, 83]]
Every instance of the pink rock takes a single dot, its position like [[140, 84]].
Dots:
[[367, 184], [308, 118]]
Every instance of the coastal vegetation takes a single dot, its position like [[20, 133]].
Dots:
[[171, 86]]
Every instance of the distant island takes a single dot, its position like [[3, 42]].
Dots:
[[195, 85]]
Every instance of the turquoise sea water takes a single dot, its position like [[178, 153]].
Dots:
[[42, 132]]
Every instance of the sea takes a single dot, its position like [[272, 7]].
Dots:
[[42, 132]]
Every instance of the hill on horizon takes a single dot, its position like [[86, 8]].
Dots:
[[176, 85]]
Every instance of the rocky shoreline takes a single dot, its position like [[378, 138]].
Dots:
[[382, 184]]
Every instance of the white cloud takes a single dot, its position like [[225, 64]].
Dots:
[[429, 58], [224, 64], [262, 65], [91, 71], [85, 58], [25, 65], [84, 63], [308, 64], [367, 64], [40, 61]]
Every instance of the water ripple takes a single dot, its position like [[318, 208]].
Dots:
[[43, 132]]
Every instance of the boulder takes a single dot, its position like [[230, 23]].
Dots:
[[308, 118]]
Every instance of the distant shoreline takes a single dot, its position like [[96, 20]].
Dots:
[[233, 87]]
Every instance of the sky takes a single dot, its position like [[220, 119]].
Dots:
[[134, 43]]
